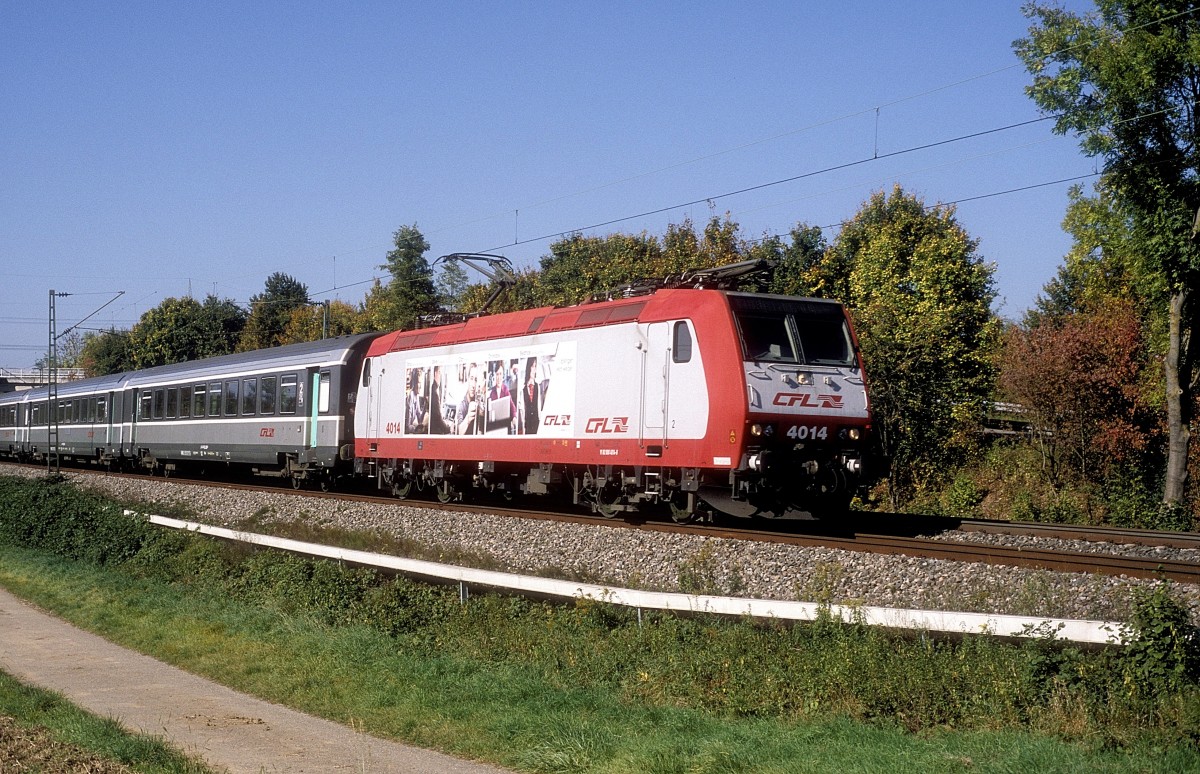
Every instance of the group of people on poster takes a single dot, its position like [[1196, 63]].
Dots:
[[492, 397]]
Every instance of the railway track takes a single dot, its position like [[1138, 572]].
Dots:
[[870, 533]]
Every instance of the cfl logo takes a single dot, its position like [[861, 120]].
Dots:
[[808, 400], [607, 425]]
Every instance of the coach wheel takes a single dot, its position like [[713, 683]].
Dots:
[[325, 482], [297, 482]]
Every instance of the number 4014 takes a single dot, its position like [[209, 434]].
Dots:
[[804, 432]]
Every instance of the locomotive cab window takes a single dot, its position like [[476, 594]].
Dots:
[[681, 343], [366, 374], [794, 331]]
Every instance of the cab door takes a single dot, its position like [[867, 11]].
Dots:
[[656, 380]]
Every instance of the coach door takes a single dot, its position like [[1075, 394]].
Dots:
[[656, 381]]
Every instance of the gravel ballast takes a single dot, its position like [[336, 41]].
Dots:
[[665, 562]]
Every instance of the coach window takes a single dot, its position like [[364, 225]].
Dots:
[[102, 410], [231, 397], [323, 392], [198, 394], [160, 402], [185, 402], [287, 394], [249, 395], [172, 402], [215, 392], [266, 395]]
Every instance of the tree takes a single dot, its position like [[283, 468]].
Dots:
[[107, 352], [314, 322], [410, 294], [799, 265], [1125, 80], [271, 310], [585, 267], [1077, 380], [182, 329], [921, 299], [452, 284]]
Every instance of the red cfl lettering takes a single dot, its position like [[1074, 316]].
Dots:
[[607, 425], [558, 420], [808, 400]]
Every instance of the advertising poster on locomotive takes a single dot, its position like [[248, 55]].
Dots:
[[519, 391]]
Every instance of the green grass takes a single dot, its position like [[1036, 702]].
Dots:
[[71, 739], [428, 693], [589, 687]]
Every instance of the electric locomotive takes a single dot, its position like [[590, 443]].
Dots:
[[700, 399]]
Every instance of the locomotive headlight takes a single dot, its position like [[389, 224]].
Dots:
[[756, 430], [854, 434]]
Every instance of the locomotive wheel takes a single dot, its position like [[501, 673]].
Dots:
[[607, 499], [402, 488], [446, 493], [682, 507]]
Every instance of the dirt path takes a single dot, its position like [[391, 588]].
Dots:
[[226, 728]]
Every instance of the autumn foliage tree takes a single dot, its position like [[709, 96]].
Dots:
[[1077, 382]]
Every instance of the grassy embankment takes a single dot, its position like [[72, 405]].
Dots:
[[585, 687]]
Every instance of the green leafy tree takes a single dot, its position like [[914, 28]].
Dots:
[[182, 329], [921, 298], [271, 310], [314, 322], [410, 293], [1125, 80], [452, 284], [107, 352], [800, 264], [580, 267]]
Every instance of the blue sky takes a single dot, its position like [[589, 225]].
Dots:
[[162, 148]]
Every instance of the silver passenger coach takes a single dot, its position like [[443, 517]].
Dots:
[[286, 411]]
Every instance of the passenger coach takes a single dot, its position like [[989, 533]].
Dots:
[[284, 411]]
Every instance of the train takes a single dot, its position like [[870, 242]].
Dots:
[[696, 400]]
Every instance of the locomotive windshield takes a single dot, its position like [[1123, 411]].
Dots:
[[793, 331]]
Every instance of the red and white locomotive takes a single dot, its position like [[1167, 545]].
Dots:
[[695, 398]]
